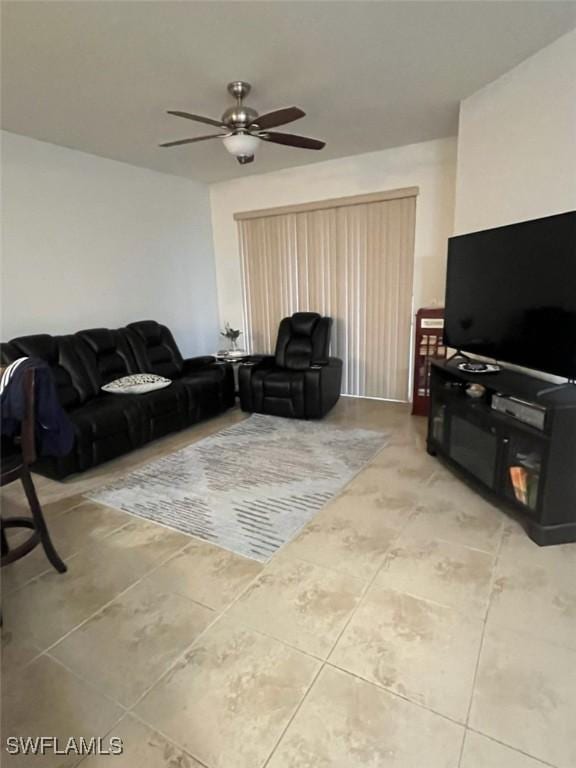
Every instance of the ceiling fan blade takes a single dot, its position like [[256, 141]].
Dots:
[[291, 140], [197, 118], [279, 117], [191, 141]]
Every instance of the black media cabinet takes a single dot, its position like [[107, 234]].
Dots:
[[532, 469]]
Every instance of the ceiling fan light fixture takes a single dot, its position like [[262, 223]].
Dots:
[[241, 144]]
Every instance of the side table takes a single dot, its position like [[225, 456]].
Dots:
[[234, 358]]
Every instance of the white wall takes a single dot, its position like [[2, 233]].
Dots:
[[430, 166], [517, 143], [90, 242]]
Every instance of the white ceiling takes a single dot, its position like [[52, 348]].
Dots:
[[98, 76]]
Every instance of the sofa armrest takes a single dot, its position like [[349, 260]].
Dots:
[[197, 363]]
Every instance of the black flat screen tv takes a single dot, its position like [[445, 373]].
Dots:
[[511, 294]]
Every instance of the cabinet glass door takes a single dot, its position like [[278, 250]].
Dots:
[[438, 421], [523, 467], [474, 448]]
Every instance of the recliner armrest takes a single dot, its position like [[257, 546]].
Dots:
[[322, 383], [332, 362], [247, 372], [265, 361], [197, 363]]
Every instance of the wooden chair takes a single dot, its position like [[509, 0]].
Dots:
[[17, 456]]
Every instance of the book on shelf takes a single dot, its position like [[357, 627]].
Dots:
[[518, 476], [524, 485]]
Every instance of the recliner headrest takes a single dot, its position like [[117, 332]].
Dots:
[[303, 340], [100, 340], [303, 323], [149, 330], [40, 345]]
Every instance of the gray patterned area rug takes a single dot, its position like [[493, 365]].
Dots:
[[249, 488]]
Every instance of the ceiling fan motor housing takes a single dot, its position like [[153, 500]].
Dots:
[[239, 116]]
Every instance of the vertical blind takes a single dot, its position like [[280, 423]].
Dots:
[[353, 262]]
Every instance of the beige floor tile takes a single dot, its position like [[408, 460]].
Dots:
[[451, 510], [371, 414], [140, 634], [17, 649], [207, 574], [411, 464], [463, 526], [13, 501], [71, 530], [229, 700], [303, 604], [539, 599], [517, 546], [525, 696], [381, 489], [350, 535], [142, 747], [437, 570], [345, 722], [53, 604], [420, 650], [480, 752], [47, 700]]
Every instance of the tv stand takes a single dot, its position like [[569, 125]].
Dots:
[[556, 387], [530, 468]]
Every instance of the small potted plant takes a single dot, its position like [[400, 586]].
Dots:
[[232, 335]]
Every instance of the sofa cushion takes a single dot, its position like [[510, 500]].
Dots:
[[171, 399], [281, 383], [107, 415]]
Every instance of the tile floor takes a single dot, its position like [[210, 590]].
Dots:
[[411, 624]]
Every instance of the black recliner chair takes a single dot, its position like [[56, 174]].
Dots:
[[300, 381]]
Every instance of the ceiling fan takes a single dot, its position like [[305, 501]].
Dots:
[[244, 128]]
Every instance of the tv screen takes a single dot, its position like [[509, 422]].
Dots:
[[511, 294]]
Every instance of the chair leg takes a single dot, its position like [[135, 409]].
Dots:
[[40, 523], [4, 548]]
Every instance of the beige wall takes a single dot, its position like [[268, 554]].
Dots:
[[89, 242], [429, 166], [517, 143]]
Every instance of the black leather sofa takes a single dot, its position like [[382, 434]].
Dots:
[[300, 380], [109, 425]]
